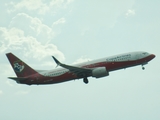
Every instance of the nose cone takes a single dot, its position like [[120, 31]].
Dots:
[[151, 56]]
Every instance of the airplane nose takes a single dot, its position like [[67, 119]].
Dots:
[[152, 56]]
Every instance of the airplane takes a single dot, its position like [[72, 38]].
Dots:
[[95, 68]]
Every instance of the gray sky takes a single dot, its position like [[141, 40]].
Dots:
[[75, 31]]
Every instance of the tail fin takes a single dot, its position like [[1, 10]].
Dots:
[[20, 68]]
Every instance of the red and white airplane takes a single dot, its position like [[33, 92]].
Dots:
[[96, 68]]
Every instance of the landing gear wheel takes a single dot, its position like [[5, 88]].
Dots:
[[143, 68], [85, 80]]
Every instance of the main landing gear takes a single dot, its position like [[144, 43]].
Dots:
[[85, 80]]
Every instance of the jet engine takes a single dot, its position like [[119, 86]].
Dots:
[[99, 72]]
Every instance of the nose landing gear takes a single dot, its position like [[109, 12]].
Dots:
[[143, 68], [85, 80]]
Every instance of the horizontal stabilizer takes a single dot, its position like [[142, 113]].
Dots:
[[18, 79]]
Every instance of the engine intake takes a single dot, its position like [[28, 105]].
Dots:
[[99, 72]]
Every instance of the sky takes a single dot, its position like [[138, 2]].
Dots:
[[75, 31]]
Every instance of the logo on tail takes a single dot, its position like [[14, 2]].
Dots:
[[18, 66]]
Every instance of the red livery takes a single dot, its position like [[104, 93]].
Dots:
[[96, 68]]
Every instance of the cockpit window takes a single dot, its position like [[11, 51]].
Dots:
[[145, 53]]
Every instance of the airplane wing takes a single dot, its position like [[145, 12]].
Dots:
[[77, 70]]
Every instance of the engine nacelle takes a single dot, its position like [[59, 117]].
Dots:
[[99, 72]]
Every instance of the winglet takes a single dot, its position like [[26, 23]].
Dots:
[[57, 62]]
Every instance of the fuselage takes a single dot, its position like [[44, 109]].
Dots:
[[110, 63]]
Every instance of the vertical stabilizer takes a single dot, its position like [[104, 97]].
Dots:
[[20, 68]]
